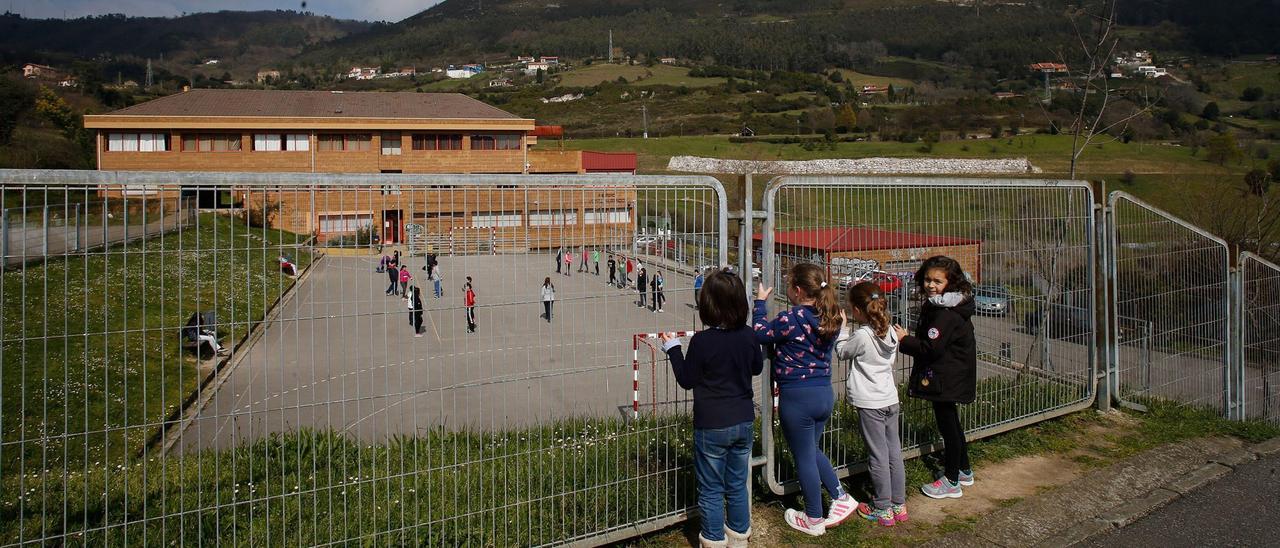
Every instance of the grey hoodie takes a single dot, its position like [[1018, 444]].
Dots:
[[871, 384]]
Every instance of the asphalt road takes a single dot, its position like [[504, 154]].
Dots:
[[1242, 509]]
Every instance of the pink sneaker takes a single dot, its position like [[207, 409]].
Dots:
[[900, 513], [800, 522], [840, 509], [883, 517]]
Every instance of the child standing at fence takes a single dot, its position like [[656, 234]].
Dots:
[[803, 337], [945, 369], [718, 369], [873, 347]]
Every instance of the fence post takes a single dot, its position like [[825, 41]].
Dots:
[[44, 231], [1107, 353], [4, 238], [1235, 342], [77, 227]]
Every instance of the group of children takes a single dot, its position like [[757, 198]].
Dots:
[[398, 273], [804, 339]]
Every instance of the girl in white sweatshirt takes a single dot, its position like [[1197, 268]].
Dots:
[[873, 347]]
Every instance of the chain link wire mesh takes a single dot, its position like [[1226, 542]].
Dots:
[[1260, 296], [1027, 246], [1170, 308], [257, 378]]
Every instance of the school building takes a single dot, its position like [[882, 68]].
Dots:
[[368, 132]]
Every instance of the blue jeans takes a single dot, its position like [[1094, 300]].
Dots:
[[437, 283], [722, 461], [804, 411]]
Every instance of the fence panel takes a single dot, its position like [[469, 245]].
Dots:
[[1260, 392], [33, 232], [326, 416], [1171, 310], [1029, 246]]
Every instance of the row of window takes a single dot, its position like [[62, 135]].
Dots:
[[342, 223], [300, 142]]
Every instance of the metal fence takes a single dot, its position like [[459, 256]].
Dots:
[[1170, 284], [1260, 338], [328, 417], [1027, 245], [79, 221]]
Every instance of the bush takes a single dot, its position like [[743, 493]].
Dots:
[[260, 217], [1251, 94], [360, 238], [1127, 177]]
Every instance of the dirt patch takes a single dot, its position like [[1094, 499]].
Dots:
[[995, 487]]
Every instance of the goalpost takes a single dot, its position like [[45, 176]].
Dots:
[[652, 343]]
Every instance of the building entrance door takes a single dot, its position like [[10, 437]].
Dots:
[[391, 227]]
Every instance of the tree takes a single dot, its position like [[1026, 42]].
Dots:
[[542, 74], [1095, 33], [1251, 94], [1211, 111], [16, 98], [1221, 148], [847, 119], [1258, 181]]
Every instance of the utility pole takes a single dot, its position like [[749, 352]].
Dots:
[[610, 45], [644, 110], [148, 82]]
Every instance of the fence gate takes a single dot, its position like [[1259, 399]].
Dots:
[[328, 417], [1260, 337], [1170, 308], [1029, 247]]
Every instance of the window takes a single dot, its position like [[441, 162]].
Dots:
[[275, 142], [137, 142], [344, 142], [553, 218], [612, 216], [502, 141], [390, 144], [211, 142], [495, 220], [437, 141], [345, 223]]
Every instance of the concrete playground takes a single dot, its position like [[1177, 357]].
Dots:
[[342, 355]]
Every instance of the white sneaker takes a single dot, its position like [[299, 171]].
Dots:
[[840, 509], [800, 522]]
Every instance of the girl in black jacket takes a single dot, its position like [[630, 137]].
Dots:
[[945, 366]]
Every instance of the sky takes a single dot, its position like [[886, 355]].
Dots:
[[368, 10]]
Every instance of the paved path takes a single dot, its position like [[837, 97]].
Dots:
[[1241, 509]]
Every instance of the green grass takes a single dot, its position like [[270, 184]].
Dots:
[[860, 79], [638, 75], [92, 362], [519, 487]]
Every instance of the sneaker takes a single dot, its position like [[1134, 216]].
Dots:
[[840, 509], [942, 489], [965, 478], [899, 513], [800, 522], [417, 334], [883, 516]]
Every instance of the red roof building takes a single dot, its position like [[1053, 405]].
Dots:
[[608, 162]]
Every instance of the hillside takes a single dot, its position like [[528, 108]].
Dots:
[[243, 42]]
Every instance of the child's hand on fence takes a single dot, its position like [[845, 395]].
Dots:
[[666, 336], [899, 331], [762, 292]]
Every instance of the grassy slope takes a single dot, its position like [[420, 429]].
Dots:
[[638, 75], [92, 361]]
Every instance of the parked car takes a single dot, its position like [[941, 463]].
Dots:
[[1066, 322], [888, 283], [991, 300]]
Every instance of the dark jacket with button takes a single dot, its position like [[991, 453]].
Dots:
[[944, 348]]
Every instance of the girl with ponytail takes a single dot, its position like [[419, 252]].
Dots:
[[803, 337], [873, 347]]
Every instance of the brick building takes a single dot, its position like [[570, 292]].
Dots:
[[362, 132]]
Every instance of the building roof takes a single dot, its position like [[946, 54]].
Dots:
[[841, 239], [309, 104], [608, 162]]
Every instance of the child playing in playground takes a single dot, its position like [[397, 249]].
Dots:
[[721, 361], [803, 337], [873, 347], [945, 369]]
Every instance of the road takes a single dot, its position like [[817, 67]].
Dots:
[[1241, 509]]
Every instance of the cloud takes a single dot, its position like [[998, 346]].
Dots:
[[369, 10]]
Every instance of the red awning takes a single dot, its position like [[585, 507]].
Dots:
[[608, 162], [547, 131]]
